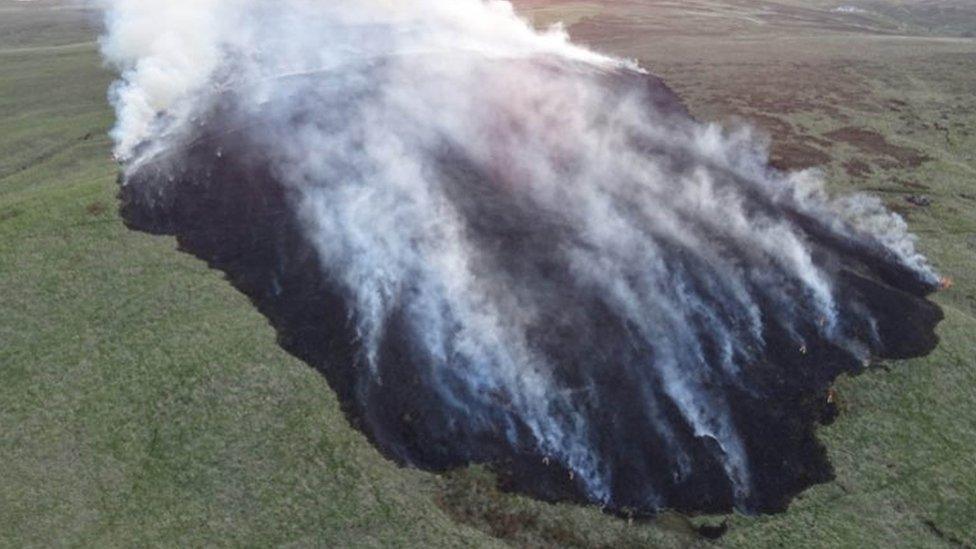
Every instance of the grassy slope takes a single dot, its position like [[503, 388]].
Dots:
[[142, 400]]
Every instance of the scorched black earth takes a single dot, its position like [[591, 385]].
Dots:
[[604, 299]]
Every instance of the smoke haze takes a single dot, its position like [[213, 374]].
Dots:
[[533, 255]]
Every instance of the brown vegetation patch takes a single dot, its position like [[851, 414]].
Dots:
[[788, 150], [914, 185], [96, 209], [774, 126], [872, 142], [896, 105], [857, 168], [901, 208], [793, 155], [6, 215], [474, 499]]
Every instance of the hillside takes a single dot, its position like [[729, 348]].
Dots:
[[144, 401]]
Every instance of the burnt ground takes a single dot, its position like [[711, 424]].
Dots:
[[219, 197]]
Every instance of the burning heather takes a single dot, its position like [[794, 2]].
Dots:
[[503, 248]]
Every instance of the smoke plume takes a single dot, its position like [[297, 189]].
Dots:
[[502, 247]]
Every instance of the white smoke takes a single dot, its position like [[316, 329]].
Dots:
[[169, 51], [537, 113]]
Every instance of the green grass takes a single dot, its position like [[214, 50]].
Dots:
[[143, 401]]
